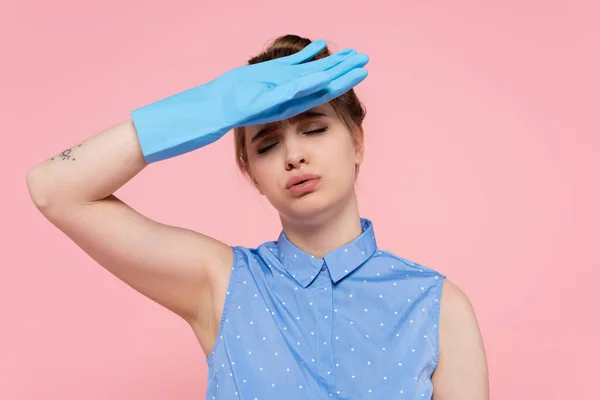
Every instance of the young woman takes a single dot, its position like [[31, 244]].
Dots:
[[321, 312]]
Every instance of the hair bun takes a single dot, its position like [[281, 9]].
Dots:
[[284, 46]]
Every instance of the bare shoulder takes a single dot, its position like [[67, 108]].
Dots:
[[462, 369], [455, 303]]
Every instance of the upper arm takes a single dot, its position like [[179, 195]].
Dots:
[[172, 266], [462, 369]]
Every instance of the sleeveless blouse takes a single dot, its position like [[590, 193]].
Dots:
[[358, 323]]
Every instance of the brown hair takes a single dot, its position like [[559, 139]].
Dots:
[[347, 106]]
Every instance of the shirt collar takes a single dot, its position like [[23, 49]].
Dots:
[[305, 267]]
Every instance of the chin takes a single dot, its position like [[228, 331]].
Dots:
[[309, 208]]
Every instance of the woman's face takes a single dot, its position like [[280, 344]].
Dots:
[[315, 142]]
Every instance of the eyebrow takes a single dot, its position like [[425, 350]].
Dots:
[[268, 128]]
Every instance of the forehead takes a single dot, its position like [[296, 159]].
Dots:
[[326, 109]]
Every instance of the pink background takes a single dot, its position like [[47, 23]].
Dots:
[[482, 162]]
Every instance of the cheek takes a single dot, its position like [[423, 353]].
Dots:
[[340, 154], [262, 171]]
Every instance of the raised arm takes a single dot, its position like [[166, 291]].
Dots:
[[173, 266], [74, 191]]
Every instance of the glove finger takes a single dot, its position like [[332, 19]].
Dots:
[[325, 63], [349, 64], [299, 105], [306, 53], [313, 82], [345, 82], [335, 89]]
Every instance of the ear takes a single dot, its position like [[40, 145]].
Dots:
[[359, 144]]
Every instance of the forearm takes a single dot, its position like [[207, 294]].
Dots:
[[89, 171]]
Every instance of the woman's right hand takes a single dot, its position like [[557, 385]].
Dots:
[[278, 89], [254, 94]]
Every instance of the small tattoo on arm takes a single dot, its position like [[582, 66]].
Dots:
[[65, 155]]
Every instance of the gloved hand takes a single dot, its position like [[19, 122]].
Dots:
[[254, 94]]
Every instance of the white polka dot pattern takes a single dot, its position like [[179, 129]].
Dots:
[[359, 323]]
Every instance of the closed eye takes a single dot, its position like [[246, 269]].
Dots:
[[316, 131], [265, 149], [313, 132]]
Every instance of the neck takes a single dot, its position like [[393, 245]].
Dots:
[[327, 231]]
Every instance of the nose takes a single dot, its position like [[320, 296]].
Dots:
[[295, 162], [295, 154]]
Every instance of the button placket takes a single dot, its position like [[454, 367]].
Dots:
[[325, 328]]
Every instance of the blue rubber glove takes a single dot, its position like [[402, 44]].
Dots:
[[254, 94]]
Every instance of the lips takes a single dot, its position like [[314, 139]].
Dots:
[[294, 180]]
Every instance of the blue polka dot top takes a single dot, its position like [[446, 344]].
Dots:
[[359, 323]]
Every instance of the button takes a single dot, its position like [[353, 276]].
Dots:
[[323, 268]]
